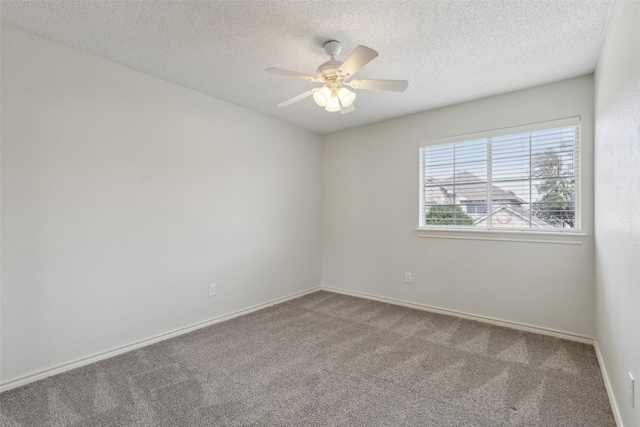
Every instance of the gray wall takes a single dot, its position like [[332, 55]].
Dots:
[[370, 211], [617, 201], [124, 196]]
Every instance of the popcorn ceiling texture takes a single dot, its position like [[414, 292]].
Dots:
[[450, 51]]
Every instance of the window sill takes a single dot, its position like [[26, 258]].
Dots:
[[567, 238]]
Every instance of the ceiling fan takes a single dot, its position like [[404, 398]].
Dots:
[[335, 75]]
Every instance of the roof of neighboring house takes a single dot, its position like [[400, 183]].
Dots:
[[471, 187]]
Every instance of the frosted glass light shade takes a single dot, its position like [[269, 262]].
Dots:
[[346, 96], [321, 97], [333, 103]]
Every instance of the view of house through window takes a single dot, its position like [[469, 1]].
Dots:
[[523, 178]]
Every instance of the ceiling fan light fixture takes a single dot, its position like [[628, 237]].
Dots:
[[346, 96], [333, 103], [334, 96], [321, 96]]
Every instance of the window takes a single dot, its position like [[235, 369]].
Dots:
[[525, 178]]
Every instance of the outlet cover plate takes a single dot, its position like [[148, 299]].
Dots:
[[212, 289]]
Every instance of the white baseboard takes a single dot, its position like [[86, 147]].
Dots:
[[485, 319], [133, 346], [607, 385]]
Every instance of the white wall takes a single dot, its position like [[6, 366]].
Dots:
[[371, 210], [124, 196], [617, 200]]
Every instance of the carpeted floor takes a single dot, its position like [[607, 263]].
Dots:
[[327, 359]]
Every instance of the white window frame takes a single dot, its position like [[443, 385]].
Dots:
[[560, 235]]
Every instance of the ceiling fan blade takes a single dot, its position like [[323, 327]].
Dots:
[[388, 85], [296, 98], [360, 57], [290, 74], [348, 109]]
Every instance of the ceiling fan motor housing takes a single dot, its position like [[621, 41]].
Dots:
[[329, 70]]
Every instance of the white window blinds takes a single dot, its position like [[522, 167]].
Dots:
[[523, 178]]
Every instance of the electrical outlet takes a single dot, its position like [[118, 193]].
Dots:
[[407, 278], [630, 390], [212, 289]]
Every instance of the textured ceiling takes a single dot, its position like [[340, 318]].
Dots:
[[449, 51]]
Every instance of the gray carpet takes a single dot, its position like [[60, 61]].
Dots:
[[327, 359]]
